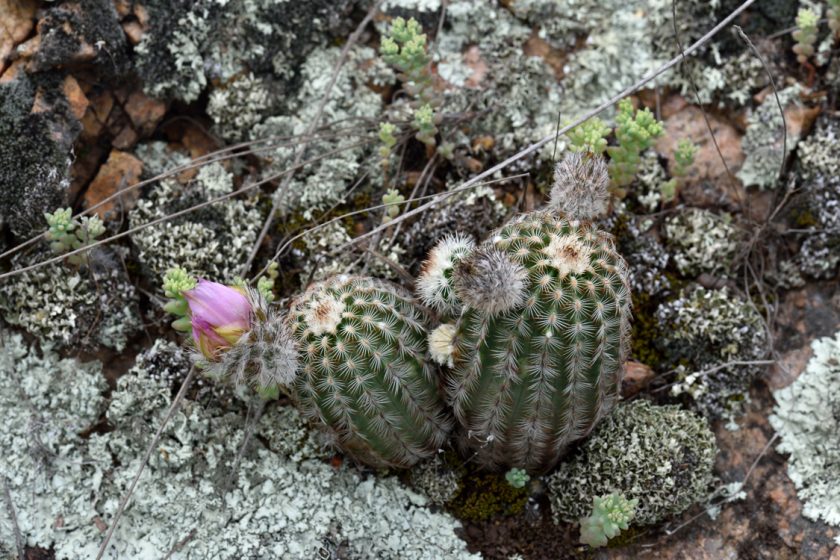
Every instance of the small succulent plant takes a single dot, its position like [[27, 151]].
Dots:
[[805, 35], [365, 374], [68, 234], [517, 478], [610, 515], [635, 132], [542, 333]]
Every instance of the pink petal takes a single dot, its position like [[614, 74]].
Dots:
[[219, 305]]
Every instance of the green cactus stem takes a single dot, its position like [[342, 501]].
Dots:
[[540, 343], [365, 373]]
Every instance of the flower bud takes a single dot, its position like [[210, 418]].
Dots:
[[219, 314]]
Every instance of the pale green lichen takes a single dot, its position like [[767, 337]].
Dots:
[[436, 480], [239, 105], [819, 177], [659, 455], [87, 306], [46, 403], [763, 144], [702, 242], [701, 333], [341, 149], [806, 418], [211, 242], [190, 45], [283, 501], [318, 261]]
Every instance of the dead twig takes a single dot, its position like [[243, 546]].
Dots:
[[10, 510], [173, 408], [269, 220]]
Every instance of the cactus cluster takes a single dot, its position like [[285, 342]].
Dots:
[[533, 325], [364, 372]]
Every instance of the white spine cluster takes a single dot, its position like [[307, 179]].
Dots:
[[490, 281], [580, 186], [434, 286]]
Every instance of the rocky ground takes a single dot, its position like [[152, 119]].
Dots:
[[140, 111]]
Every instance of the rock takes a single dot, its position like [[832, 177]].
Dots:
[[17, 18], [134, 32], [707, 182], [145, 113], [636, 377], [120, 171], [75, 97]]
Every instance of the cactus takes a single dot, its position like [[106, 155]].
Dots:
[[364, 374], [539, 345]]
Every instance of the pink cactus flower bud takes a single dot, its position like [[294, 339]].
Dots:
[[220, 315]]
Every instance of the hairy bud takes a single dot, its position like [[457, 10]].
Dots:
[[580, 186]]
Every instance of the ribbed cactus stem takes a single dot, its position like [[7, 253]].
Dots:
[[365, 373], [532, 378]]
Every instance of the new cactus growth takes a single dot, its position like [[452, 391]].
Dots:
[[541, 338], [364, 371]]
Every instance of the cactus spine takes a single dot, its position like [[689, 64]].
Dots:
[[365, 375], [534, 371]]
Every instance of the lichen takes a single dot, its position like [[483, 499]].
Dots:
[[702, 242], [436, 480], [190, 45], [34, 153], [47, 402], [661, 456], [701, 332], [189, 503], [763, 144], [340, 150], [211, 242], [819, 177], [806, 418], [73, 306]]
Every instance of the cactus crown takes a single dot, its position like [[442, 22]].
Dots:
[[533, 378], [580, 186], [365, 374]]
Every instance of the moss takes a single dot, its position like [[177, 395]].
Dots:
[[645, 330], [487, 495]]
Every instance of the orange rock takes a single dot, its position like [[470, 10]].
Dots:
[[636, 377], [97, 114], [707, 181], [75, 97], [12, 72], [134, 31], [198, 142], [145, 113], [473, 59], [122, 170], [126, 138], [17, 18], [537, 46], [123, 7]]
